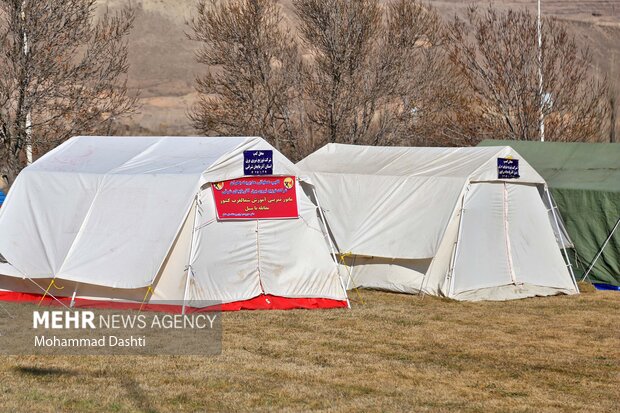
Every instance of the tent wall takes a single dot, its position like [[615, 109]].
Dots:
[[129, 230], [438, 277], [506, 247], [536, 259], [35, 237], [64, 288], [170, 283], [287, 258], [225, 257], [589, 217], [391, 274], [113, 230], [385, 216]]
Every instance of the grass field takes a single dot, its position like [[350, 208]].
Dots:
[[390, 353]]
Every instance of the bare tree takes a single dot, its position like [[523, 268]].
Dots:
[[496, 53], [379, 74], [61, 74], [354, 71], [342, 87], [253, 82]]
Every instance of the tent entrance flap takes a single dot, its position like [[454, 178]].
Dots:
[[507, 239], [482, 259]]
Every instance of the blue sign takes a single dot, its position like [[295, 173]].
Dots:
[[258, 162], [507, 168], [2, 196]]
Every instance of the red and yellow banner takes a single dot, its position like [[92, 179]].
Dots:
[[266, 197]]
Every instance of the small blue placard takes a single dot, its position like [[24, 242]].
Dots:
[[507, 168], [258, 162]]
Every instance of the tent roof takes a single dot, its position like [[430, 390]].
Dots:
[[473, 163], [571, 165], [135, 155]]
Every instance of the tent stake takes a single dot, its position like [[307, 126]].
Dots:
[[73, 296]]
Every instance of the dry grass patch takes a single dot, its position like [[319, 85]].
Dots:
[[394, 353]]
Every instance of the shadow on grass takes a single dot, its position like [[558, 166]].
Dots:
[[132, 387], [44, 371], [137, 394]]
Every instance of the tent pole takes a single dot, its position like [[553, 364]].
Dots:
[[611, 234], [190, 272], [557, 227], [331, 245], [513, 276], [456, 244], [186, 291]]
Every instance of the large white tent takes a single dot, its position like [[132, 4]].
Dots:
[[441, 221], [133, 220]]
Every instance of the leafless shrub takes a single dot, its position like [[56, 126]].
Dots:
[[497, 55]]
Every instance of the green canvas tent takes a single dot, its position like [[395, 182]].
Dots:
[[584, 179]]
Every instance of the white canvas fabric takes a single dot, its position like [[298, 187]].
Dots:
[[265, 256], [416, 204], [119, 213]]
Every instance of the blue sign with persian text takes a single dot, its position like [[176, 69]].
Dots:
[[507, 168], [258, 162]]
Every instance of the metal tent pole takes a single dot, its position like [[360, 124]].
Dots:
[[457, 244], [190, 272], [331, 245], [540, 78]]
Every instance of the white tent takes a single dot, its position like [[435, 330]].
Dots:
[[133, 219], [441, 221]]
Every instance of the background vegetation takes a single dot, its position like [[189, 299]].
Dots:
[[301, 74]]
